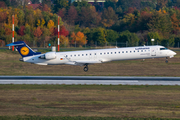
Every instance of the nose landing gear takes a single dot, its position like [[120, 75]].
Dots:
[[166, 60], [85, 67]]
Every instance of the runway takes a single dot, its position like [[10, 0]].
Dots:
[[89, 80]]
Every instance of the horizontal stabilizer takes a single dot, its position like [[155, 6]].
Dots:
[[15, 44]]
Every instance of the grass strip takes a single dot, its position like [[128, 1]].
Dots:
[[75, 118], [96, 101]]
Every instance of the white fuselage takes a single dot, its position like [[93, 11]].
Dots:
[[102, 55]]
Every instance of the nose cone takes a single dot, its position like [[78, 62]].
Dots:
[[174, 53]]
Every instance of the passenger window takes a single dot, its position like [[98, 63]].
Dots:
[[71, 55], [126, 51], [141, 50], [66, 55], [130, 51], [114, 52], [74, 55], [94, 53], [134, 51], [86, 54], [100, 53], [90, 54], [79, 55], [107, 52], [119, 52], [122, 51], [82, 54], [111, 52], [138, 51], [104, 53]]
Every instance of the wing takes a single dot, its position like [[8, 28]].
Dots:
[[81, 62], [84, 62]]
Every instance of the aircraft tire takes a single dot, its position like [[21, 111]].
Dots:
[[166, 60], [85, 69]]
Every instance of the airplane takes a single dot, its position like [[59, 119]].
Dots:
[[87, 57]]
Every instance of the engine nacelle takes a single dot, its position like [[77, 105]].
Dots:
[[48, 56]]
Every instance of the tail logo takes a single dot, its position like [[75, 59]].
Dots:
[[24, 51]]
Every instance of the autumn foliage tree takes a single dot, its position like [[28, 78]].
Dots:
[[2, 43], [72, 15], [89, 17], [156, 16], [46, 8], [62, 13], [3, 16], [2, 4], [21, 31], [130, 10], [38, 32], [63, 31], [160, 22], [64, 41], [109, 17], [50, 25], [161, 3], [143, 20], [8, 31], [79, 38], [175, 22]]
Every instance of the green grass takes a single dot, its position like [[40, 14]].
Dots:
[[74, 118], [90, 87], [89, 102]]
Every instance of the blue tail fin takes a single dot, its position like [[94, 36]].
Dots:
[[23, 49]]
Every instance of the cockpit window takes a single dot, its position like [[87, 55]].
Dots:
[[163, 48]]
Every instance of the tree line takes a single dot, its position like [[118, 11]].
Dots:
[[81, 23]]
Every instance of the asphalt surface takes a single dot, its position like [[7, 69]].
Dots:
[[89, 80]]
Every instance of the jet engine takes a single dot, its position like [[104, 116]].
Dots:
[[48, 56]]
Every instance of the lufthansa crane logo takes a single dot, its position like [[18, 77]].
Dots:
[[24, 51]]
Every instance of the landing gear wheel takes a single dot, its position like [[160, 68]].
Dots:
[[86, 68], [166, 60]]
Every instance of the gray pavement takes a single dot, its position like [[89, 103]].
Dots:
[[89, 80]]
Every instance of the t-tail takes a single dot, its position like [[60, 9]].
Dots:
[[23, 49]]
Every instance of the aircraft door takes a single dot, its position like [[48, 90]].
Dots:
[[153, 52]]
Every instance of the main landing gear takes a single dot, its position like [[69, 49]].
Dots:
[[85, 67], [166, 60]]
